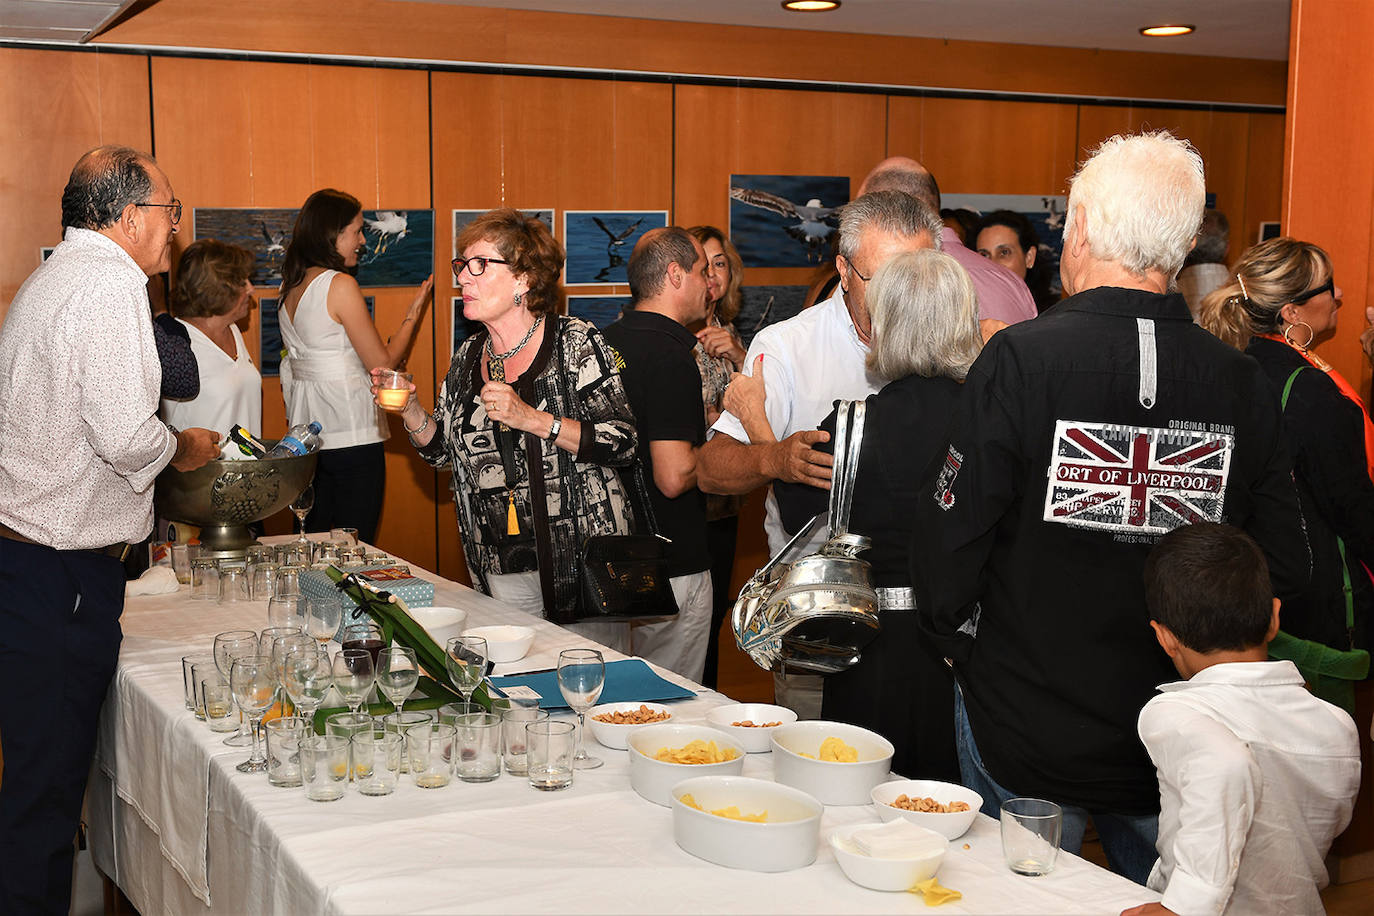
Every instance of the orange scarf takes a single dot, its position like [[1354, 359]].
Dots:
[[1345, 388]]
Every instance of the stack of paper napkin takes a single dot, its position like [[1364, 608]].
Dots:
[[897, 839]]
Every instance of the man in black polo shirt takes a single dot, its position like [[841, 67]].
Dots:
[[667, 273]]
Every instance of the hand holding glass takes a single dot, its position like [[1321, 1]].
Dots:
[[581, 675], [393, 389]]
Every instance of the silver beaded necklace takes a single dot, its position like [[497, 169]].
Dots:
[[496, 362]]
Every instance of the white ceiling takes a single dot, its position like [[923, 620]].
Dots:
[[67, 21]]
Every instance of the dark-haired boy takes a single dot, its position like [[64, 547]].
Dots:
[[1256, 775]]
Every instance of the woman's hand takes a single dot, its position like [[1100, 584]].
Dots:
[[720, 342], [504, 406], [422, 295], [746, 397]]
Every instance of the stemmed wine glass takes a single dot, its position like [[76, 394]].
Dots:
[[466, 660], [581, 675], [323, 616], [253, 681], [282, 648], [285, 611], [302, 505], [353, 676], [397, 674], [229, 645], [308, 679]]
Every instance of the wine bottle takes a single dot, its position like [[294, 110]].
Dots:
[[247, 444]]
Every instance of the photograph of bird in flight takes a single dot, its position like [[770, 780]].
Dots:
[[599, 242], [785, 220]]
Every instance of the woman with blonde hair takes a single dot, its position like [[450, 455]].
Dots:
[[1282, 300]]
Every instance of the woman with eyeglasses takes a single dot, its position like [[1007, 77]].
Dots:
[[1282, 300], [331, 344], [532, 418]]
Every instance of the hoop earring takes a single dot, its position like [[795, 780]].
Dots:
[[1292, 343]]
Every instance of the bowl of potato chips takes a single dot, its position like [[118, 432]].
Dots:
[[836, 763], [746, 823], [751, 724], [661, 756], [944, 807]]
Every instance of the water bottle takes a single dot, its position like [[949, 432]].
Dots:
[[301, 439], [243, 442]]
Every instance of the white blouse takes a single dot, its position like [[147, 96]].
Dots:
[[230, 389]]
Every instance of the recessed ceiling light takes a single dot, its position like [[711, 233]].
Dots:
[[1167, 31], [810, 6]]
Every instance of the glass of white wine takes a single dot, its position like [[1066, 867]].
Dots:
[[466, 660], [581, 675]]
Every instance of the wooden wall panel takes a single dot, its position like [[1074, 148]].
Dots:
[[979, 146], [1263, 177], [55, 106]]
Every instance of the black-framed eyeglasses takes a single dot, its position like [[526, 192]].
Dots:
[[475, 266], [1328, 287], [174, 207], [856, 271]]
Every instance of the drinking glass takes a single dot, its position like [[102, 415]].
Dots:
[[581, 675], [477, 747], [513, 739], [285, 611], [283, 750], [188, 684], [393, 389], [270, 634], [397, 674], [229, 645], [466, 660], [254, 682], [181, 563], [200, 673], [257, 553], [308, 679], [218, 701], [430, 750], [323, 617], [349, 536], [551, 743], [346, 725], [376, 761], [365, 636], [284, 647], [324, 766], [398, 723], [1031, 830], [288, 581], [451, 711], [301, 506], [262, 579], [353, 675], [233, 585], [205, 579]]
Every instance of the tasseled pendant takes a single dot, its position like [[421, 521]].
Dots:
[[512, 523]]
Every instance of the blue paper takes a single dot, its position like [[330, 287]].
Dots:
[[626, 680]]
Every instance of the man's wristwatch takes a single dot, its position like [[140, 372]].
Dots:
[[554, 429]]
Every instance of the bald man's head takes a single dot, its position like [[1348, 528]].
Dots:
[[902, 173]]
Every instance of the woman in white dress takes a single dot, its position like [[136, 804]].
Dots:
[[332, 343], [213, 293]]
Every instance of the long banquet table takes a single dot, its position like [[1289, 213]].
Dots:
[[181, 831]]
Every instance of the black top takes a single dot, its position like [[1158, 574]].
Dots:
[[180, 371], [664, 388], [1325, 434], [1063, 469]]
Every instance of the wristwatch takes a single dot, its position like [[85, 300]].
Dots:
[[554, 429]]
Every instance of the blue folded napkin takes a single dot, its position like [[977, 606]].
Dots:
[[626, 680]]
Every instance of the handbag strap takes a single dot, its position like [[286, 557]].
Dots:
[[849, 434]]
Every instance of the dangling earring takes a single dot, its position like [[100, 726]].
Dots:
[[519, 298], [1293, 343]]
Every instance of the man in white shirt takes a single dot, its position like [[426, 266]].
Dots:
[[80, 447], [1256, 775]]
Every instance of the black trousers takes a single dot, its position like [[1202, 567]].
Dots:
[[349, 483], [59, 644], [721, 534]]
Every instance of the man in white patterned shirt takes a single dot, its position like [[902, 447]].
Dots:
[[80, 447]]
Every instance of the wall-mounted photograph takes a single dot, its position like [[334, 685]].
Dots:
[[262, 231], [601, 311], [599, 242], [400, 247], [462, 217], [463, 328], [761, 306], [270, 346], [785, 220]]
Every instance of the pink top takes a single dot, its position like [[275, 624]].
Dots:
[[1001, 294]]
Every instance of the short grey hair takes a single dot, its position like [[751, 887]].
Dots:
[[925, 317], [894, 212], [1142, 197], [103, 182], [651, 256]]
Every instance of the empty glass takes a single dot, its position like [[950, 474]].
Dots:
[[229, 645], [477, 753], [513, 740], [397, 674], [302, 505], [262, 580], [270, 635], [1031, 830], [323, 616], [376, 761], [285, 611], [181, 562], [218, 700], [188, 685], [466, 660], [200, 673], [205, 579], [348, 536], [254, 681], [288, 579], [550, 745], [283, 750], [581, 675], [308, 679], [450, 711], [233, 585], [324, 766], [397, 723], [430, 749]]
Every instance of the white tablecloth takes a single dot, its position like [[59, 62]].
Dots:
[[180, 830]]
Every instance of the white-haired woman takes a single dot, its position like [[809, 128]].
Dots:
[[925, 337]]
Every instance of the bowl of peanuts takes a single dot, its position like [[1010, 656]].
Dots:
[[751, 724], [944, 807], [612, 723]]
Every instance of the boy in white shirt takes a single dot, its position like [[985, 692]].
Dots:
[[1256, 775]]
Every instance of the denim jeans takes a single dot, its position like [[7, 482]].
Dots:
[[1127, 839]]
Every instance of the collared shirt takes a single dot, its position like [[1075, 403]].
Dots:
[[1256, 778], [80, 441], [810, 361], [1197, 281], [1001, 294]]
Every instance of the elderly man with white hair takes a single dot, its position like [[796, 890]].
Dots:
[[1080, 440]]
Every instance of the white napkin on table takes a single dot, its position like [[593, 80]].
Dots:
[[156, 580]]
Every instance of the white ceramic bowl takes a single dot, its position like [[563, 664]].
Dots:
[[787, 840], [612, 735], [754, 739], [951, 826], [504, 644], [654, 779], [829, 782], [441, 623], [885, 874]]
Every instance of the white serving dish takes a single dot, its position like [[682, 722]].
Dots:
[[614, 736], [504, 644], [882, 874], [654, 779], [441, 623], [754, 739], [786, 841], [829, 782], [951, 826]]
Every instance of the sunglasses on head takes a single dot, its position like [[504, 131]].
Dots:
[[1328, 287]]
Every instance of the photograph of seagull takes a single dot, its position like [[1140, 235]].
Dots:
[[785, 220], [386, 227], [400, 247], [462, 217], [263, 231], [599, 242]]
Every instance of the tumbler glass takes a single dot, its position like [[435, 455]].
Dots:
[[398, 723], [283, 750], [205, 579], [1031, 831], [551, 744], [262, 580], [233, 584], [218, 700], [324, 766], [513, 740], [430, 749], [449, 712], [376, 761], [477, 747], [188, 683]]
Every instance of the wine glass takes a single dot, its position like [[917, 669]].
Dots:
[[302, 505], [253, 680], [283, 646], [322, 618], [229, 645], [397, 674], [353, 676], [581, 675], [466, 660], [308, 679], [285, 611]]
